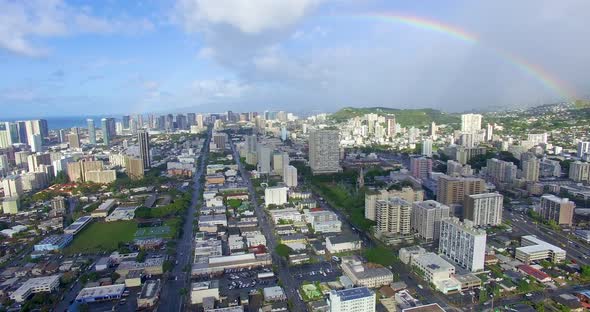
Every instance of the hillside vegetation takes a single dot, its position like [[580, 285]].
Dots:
[[405, 117]]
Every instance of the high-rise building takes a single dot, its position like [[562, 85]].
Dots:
[[426, 218], [490, 132], [393, 216], [499, 171], [463, 243], [537, 138], [181, 122], [420, 167], [91, 131], [191, 119], [62, 136], [220, 139], [264, 158], [407, 193], [251, 143], [77, 170], [579, 171], [427, 147], [583, 148], [531, 169], [200, 121], [390, 121], [360, 299], [560, 210], [74, 139], [290, 176], [126, 121], [36, 143], [106, 135], [134, 167], [4, 166], [324, 151], [13, 186], [550, 168], [471, 123], [279, 162], [452, 190], [484, 209], [143, 139]]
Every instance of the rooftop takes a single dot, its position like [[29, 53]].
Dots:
[[353, 293]]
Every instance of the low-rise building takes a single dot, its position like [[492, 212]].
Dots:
[[200, 290], [35, 285], [150, 293], [437, 271], [407, 253], [342, 243], [100, 293], [275, 293], [534, 249], [365, 274], [54, 242]]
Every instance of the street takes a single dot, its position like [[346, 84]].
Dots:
[[171, 298], [289, 284]]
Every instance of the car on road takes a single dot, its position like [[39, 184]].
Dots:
[[420, 286]]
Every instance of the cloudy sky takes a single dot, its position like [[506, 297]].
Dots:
[[66, 57]]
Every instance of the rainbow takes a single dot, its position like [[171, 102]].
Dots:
[[533, 70]]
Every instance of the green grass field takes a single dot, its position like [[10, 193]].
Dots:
[[102, 236], [311, 292]]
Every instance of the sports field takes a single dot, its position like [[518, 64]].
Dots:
[[102, 236]]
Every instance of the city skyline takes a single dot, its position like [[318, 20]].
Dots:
[[67, 57]]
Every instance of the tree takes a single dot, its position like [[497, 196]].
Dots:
[[141, 256], [283, 250], [61, 178]]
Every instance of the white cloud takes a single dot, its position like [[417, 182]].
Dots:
[[248, 16], [22, 22]]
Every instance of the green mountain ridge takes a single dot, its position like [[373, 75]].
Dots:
[[406, 117]]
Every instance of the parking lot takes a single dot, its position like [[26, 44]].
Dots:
[[321, 272], [243, 280]]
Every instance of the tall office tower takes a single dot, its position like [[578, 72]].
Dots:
[[471, 123], [111, 126], [284, 133], [538, 138], [161, 122], [91, 131], [463, 243], [126, 121], [151, 121], [12, 128], [22, 132], [36, 143], [407, 193], [134, 167], [420, 167], [432, 130], [106, 136], [583, 148], [169, 122], [468, 140], [560, 210], [251, 143], [5, 140], [426, 218], [490, 132], [550, 168], [484, 209], [74, 140], [143, 139], [62, 136], [37, 160], [360, 299], [133, 126], [229, 116], [191, 119], [264, 158], [530, 169], [200, 121], [181, 123], [220, 139], [499, 171], [290, 176], [279, 162], [118, 128], [579, 171], [393, 216], [5, 166], [427, 147], [20, 159], [324, 151], [13, 186], [139, 120], [452, 190]]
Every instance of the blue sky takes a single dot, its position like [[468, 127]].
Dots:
[[60, 57]]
